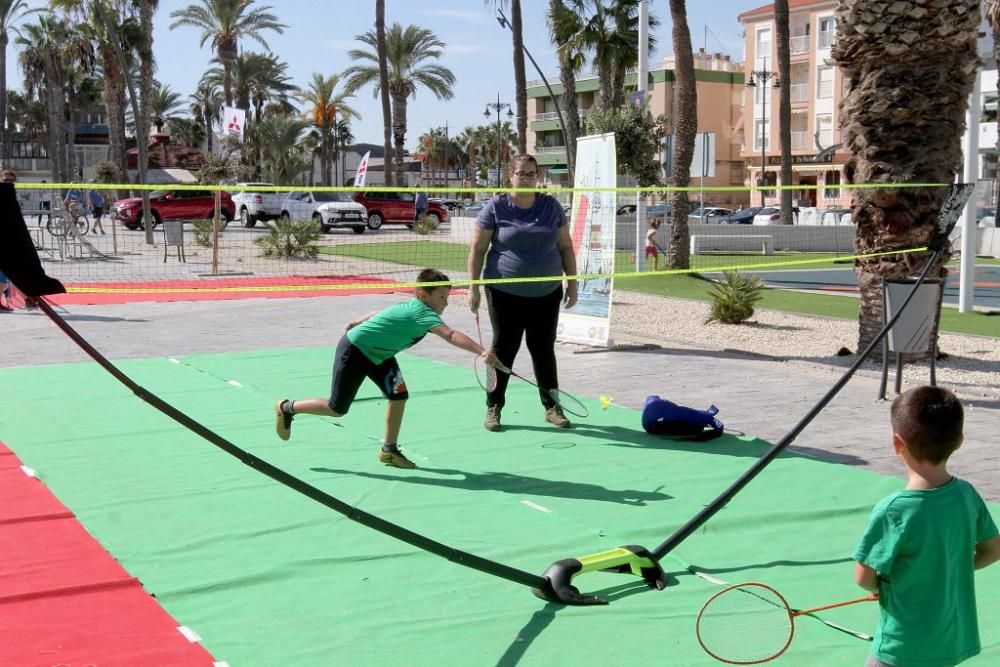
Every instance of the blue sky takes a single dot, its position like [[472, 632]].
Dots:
[[478, 51]]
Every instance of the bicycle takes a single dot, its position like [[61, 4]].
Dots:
[[57, 225]]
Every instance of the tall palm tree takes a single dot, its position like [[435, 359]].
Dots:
[[12, 12], [903, 117], [146, 64], [186, 131], [325, 106], [564, 24], [206, 104], [283, 155], [685, 129], [383, 86], [783, 34], [225, 22], [520, 82], [408, 51], [164, 104], [256, 78], [342, 138]]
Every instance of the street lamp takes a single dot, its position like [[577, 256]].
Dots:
[[498, 106], [763, 75]]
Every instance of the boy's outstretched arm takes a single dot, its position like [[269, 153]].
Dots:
[[459, 339], [866, 577], [987, 552]]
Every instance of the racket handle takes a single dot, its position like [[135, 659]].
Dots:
[[500, 367]]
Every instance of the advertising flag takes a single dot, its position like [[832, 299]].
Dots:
[[362, 173]]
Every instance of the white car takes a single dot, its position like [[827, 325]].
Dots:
[[709, 215], [252, 204], [768, 216], [329, 210]]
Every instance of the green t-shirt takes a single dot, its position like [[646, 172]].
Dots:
[[922, 543], [394, 329]]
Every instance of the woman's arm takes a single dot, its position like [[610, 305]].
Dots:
[[477, 256], [568, 256]]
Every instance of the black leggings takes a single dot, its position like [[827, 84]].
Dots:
[[533, 318]]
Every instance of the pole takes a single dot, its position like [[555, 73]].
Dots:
[[499, 156], [970, 234], [763, 129], [642, 85], [446, 155]]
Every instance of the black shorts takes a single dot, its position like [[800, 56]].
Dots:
[[351, 367], [98, 211]]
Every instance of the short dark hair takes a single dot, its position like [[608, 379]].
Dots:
[[930, 421], [523, 157], [432, 276]]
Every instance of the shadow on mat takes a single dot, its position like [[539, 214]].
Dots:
[[770, 564], [517, 484]]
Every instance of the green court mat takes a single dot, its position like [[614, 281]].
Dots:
[[269, 577]]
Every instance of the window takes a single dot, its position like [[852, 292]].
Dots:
[[832, 181], [762, 130], [827, 29], [824, 126], [763, 47], [824, 82]]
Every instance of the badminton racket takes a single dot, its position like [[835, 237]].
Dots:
[[487, 378], [751, 623]]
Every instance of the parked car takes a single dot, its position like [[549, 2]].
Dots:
[[396, 207], [329, 210], [173, 205], [744, 217], [708, 215], [253, 205], [453, 205], [835, 216], [768, 216], [472, 210]]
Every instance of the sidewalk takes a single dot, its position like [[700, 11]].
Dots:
[[757, 396]]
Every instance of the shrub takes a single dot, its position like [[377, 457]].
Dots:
[[734, 297], [291, 238], [203, 231], [426, 224]]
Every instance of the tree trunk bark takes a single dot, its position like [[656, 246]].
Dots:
[[784, 106], [5, 142], [521, 94], [399, 134], [686, 127], [383, 78]]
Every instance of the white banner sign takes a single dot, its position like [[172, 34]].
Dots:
[[362, 173], [592, 228], [233, 122]]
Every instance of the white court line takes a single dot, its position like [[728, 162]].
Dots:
[[189, 634], [235, 383], [536, 506]]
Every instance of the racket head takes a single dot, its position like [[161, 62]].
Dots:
[[569, 403], [745, 624], [486, 375]]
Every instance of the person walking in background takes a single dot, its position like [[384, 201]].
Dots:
[[44, 205], [922, 543], [97, 209], [520, 235], [419, 207], [651, 247]]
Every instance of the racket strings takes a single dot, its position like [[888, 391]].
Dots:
[[744, 625], [569, 403]]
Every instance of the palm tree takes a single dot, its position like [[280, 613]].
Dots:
[[407, 52], [783, 34], [685, 129], [255, 79], [563, 25], [186, 131], [383, 86], [283, 154], [520, 83], [164, 103], [326, 107], [225, 22], [342, 138], [902, 117], [12, 12], [206, 104], [146, 10]]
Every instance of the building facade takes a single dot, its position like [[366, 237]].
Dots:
[[720, 84]]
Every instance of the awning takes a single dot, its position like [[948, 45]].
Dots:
[[557, 170], [804, 168]]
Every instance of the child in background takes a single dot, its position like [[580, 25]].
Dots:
[[923, 543], [369, 349], [651, 248]]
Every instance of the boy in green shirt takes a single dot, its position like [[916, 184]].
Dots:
[[369, 349], [923, 543]]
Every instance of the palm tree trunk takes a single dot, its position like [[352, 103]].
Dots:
[[399, 133], [685, 129], [383, 83], [114, 102], [146, 63], [520, 84], [784, 106], [5, 143], [903, 118]]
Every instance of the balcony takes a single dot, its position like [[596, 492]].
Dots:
[[799, 44], [550, 149], [987, 137], [800, 139], [799, 92]]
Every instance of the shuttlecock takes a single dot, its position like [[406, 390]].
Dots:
[[606, 401]]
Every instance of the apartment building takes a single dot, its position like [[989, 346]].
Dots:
[[816, 90], [720, 84]]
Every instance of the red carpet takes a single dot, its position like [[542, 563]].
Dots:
[[63, 599], [218, 289]]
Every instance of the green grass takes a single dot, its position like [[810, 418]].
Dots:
[[452, 257]]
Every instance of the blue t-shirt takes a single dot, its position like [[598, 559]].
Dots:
[[421, 201], [525, 243], [922, 543], [96, 200]]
